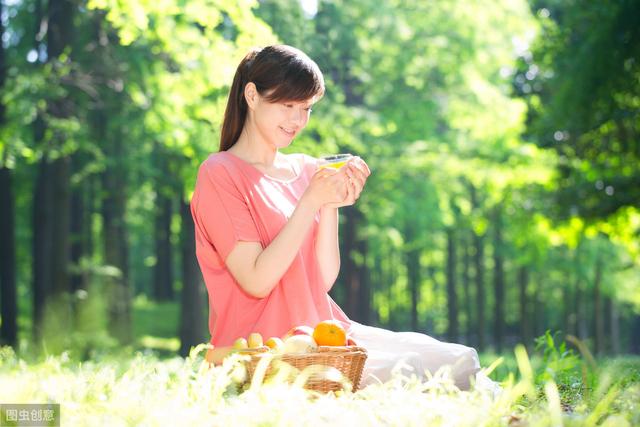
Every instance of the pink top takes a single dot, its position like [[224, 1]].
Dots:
[[234, 201]]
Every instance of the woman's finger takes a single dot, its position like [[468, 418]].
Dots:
[[325, 172], [358, 178], [356, 171], [350, 193], [361, 165]]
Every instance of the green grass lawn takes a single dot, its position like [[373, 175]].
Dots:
[[144, 390], [154, 328], [147, 384], [155, 325]]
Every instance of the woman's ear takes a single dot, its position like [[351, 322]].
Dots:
[[251, 95]]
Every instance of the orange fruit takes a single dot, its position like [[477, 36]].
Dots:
[[330, 332]]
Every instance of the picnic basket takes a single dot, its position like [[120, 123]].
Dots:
[[348, 360]]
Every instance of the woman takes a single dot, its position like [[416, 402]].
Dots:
[[266, 223]]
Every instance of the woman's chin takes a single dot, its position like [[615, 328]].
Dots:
[[283, 143]]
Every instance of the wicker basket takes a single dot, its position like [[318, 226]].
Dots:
[[349, 361]]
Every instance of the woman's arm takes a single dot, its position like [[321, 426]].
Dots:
[[327, 246], [259, 270], [327, 242]]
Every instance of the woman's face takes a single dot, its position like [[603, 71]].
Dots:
[[280, 122]]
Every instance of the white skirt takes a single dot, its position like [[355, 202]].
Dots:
[[420, 352]]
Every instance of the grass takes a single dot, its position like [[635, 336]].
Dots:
[[154, 328], [117, 390], [154, 325], [147, 385]]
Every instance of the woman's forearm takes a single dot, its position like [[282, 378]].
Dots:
[[259, 270], [327, 246]]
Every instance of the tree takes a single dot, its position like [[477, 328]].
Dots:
[[582, 84], [192, 314], [8, 292]]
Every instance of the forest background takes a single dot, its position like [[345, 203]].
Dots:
[[503, 137]]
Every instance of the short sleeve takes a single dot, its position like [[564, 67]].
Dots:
[[220, 210]]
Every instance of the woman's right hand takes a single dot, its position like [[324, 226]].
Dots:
[[327, 186]]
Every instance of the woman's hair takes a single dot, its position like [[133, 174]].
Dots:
[[280, 73]]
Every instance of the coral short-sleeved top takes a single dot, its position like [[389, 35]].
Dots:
[[234, 201]]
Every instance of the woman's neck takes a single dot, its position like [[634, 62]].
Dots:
[[252, 147]]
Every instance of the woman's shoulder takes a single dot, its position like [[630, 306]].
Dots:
[[218, 167], [217, 159], [219, 162]]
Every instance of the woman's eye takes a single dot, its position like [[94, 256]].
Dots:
[[308, 110], [288, 105]]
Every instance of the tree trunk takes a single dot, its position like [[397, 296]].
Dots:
[[452, 298], [81, 209], [478, 261], [42, 238], [163, 269], [113, 194], [480, 298], [59, 37], [523, 281], [466, 285], [349, 270], [573, 304], [598, 311], [567, 304], [580, 298], [60, 27], [364, 306], [115, 240], [537, 325], [77, 236], [580, 302], [614, 324], [61, 218], [8, 291], [435, 290], [606, 323], [192, 313], [389, 283], [379, 279], [498, 280], [635, 334], [413, 276]]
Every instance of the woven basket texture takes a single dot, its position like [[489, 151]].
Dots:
[[348, 361]]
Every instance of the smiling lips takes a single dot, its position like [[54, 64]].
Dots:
[[289, 132]]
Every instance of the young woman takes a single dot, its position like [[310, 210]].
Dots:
[[266, 223]]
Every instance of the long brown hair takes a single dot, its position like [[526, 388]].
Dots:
[[280, 73]]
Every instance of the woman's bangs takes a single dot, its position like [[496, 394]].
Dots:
[[299, 86]]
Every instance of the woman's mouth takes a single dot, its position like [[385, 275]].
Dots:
[[289, 132]]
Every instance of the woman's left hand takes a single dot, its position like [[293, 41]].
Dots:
[[357, 171]]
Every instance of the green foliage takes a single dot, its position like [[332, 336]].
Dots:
[[152, 333], [581, 83], [85, 323], [559, 363], [424, 91]]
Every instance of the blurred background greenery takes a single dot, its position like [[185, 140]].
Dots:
[[503, 137]]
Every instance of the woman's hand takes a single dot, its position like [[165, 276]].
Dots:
[[327, 186], [356, 172]]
